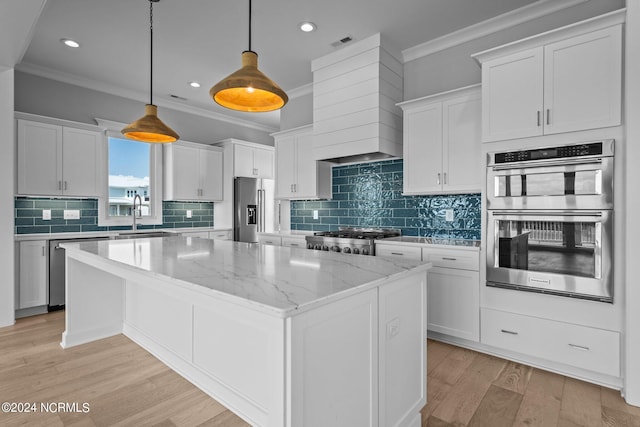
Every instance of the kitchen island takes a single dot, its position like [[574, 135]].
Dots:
[[281, 336]]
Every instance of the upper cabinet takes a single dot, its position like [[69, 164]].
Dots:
[[564, 80], [442, 143], [298, 175], [253, 162], [192, 172], [56, 160]]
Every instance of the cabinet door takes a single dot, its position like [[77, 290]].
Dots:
[[33, 274], [453, 301], [263, 163], [512, 90], [39, 158], [286, 161], [184, 173], [399, 251], [307, 168], [81, 162], [243, 161], [461, 144], [210, 175], [423, 149], [583, 81]]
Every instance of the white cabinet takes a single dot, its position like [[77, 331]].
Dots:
[[270, 239], [56, 160], [192, 172], [220, 235], [571, 80], [442, 143], [453, 286], [32, 274], [588, 348], [253, 162], [294, 241], [298, 175]]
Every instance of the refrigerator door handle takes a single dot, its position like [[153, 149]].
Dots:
[[259, 211]]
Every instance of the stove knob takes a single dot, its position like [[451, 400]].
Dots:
[[347, 250], [335, 248], [317, 247], [309, 245], [356, 251], [365, 251], [325, 247]]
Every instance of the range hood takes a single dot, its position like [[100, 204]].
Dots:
[[355, 92]]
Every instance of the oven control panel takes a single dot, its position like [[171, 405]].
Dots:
[[579, 150]]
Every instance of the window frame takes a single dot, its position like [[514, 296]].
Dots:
[[112, 130]]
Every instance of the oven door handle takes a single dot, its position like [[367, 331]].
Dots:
[[542, 164], [546, 213]]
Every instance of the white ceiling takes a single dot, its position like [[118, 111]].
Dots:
[[202, 40]]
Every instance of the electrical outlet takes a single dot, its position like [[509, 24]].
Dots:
[[71, 214], [448, 215], [46, 214], [315, 214], [189, 214]]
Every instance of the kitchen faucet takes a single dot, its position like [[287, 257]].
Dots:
[[139, 199]]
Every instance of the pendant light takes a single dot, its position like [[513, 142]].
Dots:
[[149, 128], [248, 89]]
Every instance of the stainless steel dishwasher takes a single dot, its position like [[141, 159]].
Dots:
[[57, 271]]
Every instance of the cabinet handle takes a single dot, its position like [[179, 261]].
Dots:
[[438, 180], [579, 347], [291, 188], [449, 259], [293, 244], [538, 112], [65, 185], [60, 185], [506, 331], [445, 177], [548, 119], [397, 253], [295, 188], [43, 254]]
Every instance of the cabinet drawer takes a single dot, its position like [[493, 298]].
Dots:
[[201, 234], [409, 252], [451, 258], [294, 242], [220, 235], [270, 240], [588, 348]]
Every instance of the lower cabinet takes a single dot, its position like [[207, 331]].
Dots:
[[584, 347], [32, 278], [282, 240], [269, 239], [294, 242], [453, 286], [215, 235]]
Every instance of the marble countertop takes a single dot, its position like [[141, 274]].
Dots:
[[421, 241], [278, 280], [288, 233], [91, 234]]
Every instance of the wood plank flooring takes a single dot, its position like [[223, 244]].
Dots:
[[126, 386]]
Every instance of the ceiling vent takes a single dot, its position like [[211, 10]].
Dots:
[[342, 41]]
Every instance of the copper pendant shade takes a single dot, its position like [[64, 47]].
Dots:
[[149, 128], [248, 89]]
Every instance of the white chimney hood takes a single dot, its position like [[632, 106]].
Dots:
[[355, 91]]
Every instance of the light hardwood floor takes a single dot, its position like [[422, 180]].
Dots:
[[126, 386]]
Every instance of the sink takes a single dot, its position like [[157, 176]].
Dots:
[[143, 234]]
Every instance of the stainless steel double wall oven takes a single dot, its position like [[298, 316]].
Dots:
[[550, 220]]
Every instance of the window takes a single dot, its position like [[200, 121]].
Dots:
[[131, 169]]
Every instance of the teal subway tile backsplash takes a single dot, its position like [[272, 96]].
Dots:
[[28, 216], [370, 195]]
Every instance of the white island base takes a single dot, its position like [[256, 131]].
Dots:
[[355, 359]]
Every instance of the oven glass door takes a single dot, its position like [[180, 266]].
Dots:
[[552, 185], [565, 252]]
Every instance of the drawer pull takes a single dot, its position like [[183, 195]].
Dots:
[[506, 331], [293, 244], [397, 253], [449, 259], [579, 347]]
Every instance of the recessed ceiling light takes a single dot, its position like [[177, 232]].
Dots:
[[307, 26], [70, 43], [194, 84]]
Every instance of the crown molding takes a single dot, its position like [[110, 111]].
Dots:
[[137, 96], [300, 91], [493, 25]]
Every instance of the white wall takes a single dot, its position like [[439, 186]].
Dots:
[[46, 97], [632, 225], [6, 197], [298, 112]]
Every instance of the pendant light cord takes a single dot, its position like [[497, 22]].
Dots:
[[249, 25], [151, 52]]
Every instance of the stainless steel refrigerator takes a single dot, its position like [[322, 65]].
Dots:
[[253, 208]]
